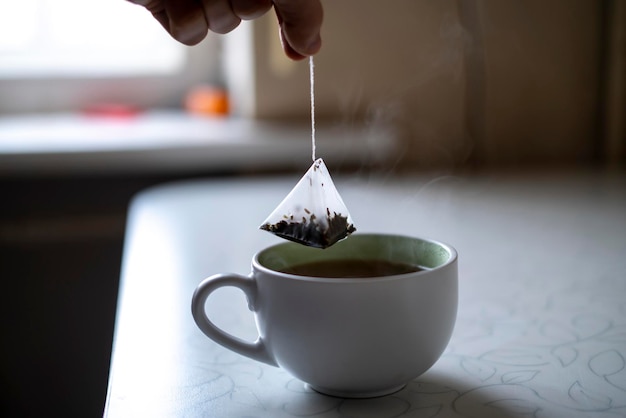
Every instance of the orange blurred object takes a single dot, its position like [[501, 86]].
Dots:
[[207, 100]]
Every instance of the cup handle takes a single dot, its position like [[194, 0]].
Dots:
[[256, 350]]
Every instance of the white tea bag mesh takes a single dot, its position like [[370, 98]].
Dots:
[[313, 213]]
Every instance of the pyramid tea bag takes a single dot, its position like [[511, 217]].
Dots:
[[313, 213]]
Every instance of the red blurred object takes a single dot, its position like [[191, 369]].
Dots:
[[111, 110]]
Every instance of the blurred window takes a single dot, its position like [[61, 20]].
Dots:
[[58, 55], [83, 38]]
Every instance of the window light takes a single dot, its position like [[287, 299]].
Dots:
[[83, 38]]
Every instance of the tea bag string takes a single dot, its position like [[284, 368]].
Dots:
[[312, 76]]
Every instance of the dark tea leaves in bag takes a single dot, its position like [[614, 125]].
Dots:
[[313, 213]]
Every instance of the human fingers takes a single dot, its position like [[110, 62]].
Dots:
[[183, 19], [187, 23], [250, 9], [300, 24], [220, 16]]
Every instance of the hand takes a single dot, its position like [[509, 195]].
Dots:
[[189, 21]]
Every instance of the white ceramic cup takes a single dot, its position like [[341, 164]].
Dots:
[[345, 337]]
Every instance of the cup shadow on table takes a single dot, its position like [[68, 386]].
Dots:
[[432, 396]]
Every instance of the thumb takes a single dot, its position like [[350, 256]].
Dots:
[[300, 24]]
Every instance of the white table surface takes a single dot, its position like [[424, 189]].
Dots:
[[541, 328]]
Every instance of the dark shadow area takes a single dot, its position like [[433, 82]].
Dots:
[[61, 243], [58, 307]]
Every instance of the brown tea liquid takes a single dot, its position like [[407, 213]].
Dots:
[[351, 268]]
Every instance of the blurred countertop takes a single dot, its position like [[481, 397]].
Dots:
[[174, 141]]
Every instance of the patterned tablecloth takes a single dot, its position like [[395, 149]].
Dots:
[[541, 328]]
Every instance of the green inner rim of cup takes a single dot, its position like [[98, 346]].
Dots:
[[396, 248]]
